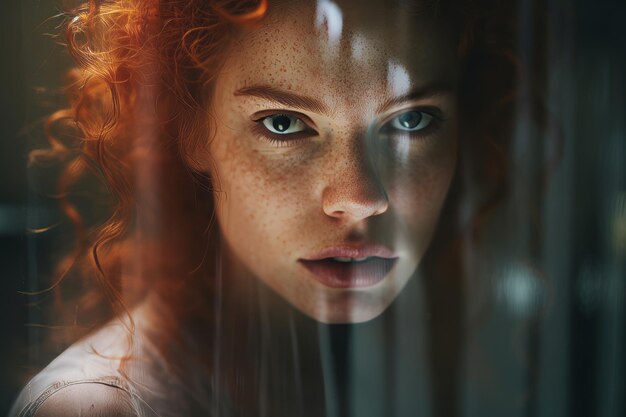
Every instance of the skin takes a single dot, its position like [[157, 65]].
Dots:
[[351, 178]]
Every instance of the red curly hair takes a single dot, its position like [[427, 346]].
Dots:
[[138, 110]]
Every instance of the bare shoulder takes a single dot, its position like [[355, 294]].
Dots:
[[88, 400], [86, 379]]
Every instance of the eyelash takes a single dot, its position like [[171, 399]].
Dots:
[[282, 141], [294, 139], [423, 134]]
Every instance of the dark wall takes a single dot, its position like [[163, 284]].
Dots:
[[12, 198], [30, 75]]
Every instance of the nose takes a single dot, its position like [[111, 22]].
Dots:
[[354, 193]]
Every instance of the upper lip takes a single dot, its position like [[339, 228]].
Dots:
[[353, 251]]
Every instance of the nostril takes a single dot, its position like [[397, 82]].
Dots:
[[354, 203], [353, 190]]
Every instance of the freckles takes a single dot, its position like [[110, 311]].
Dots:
[[281, 57], [275, 192], [421, 185]]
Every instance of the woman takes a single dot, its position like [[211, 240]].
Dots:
[[286, 176]]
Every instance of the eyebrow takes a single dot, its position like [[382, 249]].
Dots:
[[427, 91], [284, 97], [308, 103]]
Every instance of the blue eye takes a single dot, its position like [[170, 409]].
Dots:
[[411, 121], [283, 124]]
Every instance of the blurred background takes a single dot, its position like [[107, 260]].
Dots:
[[31, 74], [555, 337]]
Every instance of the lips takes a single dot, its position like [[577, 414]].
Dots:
[[351, 267]]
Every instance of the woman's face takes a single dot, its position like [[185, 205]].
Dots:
[[334, 150]]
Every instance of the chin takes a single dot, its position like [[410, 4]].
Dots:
[[347, 312]]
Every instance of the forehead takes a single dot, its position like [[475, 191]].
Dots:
[[375, 47]]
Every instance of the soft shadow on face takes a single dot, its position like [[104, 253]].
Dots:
[[334, 150]]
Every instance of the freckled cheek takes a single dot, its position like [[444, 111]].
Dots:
[[265, 195], [418, 189]]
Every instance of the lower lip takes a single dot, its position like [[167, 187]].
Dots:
[[336, 274]]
